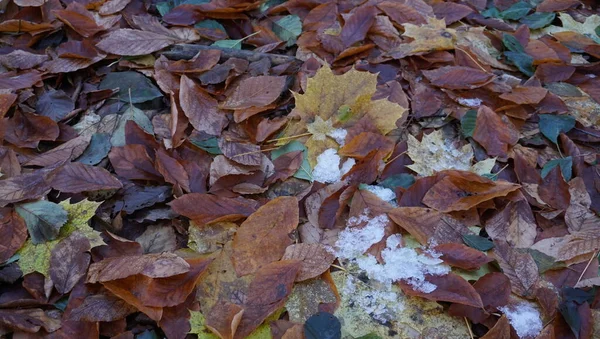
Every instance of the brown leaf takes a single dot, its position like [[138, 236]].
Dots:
[[10, 80], [264, 236], [224, 319], [451, 12], [425, 224], [554, 190], [6, 102], [255, 92], [27, 129], [133, 162], [458, 77], [19, 59], [357, 25], [315, 259], [113, 6], [460, 191], [525, 95], [461, 256], [25, 186], [494, 289], [76, 177], [28, 320], [70, 150], [102, 306], [518, 266], [200, 108], [19, 26], [159, 265], [175, 321], [172, 170], [69, 261], [402, 12], [79, 19], [242, 153], [450, 287], [133, 42], [159, 292], [285, 166], [13, 233], [501, 330], [515, 224], [208, 208], [361, 145], [556, 5], [493, 132], [267, 293]]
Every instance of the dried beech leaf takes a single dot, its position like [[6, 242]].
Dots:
[[518, 266], [159, 265], [315, 259], [69, 262], [207, 208]]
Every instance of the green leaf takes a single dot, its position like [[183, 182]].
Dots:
[[166, 6], [403, 180], [43, 218], [234, 44], [288, 28], [523, 61], [569, 311], [538, 20], [566, 167], [142, 89], [211, 145], [545, 262], [516, 11], [210, 24], [97, 149], [304, 172], [369, 336], [491, 12], [552, 125], [478, 242], [597, 30], [197, 326], [138, 116], [467, 123], [322, 325], [512, 44]]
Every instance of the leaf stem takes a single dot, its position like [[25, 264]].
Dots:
[[254, 152], [290, 137], [587, 266]]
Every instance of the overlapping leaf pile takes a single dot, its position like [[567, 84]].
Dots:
[[240, 169]]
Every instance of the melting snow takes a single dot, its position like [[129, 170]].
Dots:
[[339, 135], [524, 318], [383, 193], [328, 170], [380, 304], [473, 102], [401, 263]]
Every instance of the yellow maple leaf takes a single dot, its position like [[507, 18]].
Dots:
[[587, 28], [434, 153], [430, 37]]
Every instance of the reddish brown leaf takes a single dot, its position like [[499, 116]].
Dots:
[[242, 153], [554, 190], [285, 166], [515, 224], [493, 132], [133, 162], [255, 92], [19, 59], [450, 287], [19, 26], [224, 319], [113, 6], [425, 224], [451, 11], [500, 331], [458, 77], [518, 266], [69, 262], [264, 236], [70, 150], [525, 95], [208, 208], [102, 306], [25, 186], [461, 256], [172, 170], [267, 293], [6, 101], [29, 320], [13, 233], [27, 129], [557, 5], [494, 289], [79, 19], [159, 265], [315, 259], [402, 12], [361, 145], [357, 25], [77, 177], [175, 321], [133, 42], [200, 108]]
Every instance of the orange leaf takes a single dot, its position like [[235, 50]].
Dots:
[[500, 331], [450, 287], [361, 145], [208, 208], [264, 236], [459, 255], [13, 233], [458, 77], [494, 133], [315, 259], [200, 108], [79, 19], [525, 95], [425, 224]]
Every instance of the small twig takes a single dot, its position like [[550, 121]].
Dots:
[[290, 137], [188, 51], [338, 267], [396, 157], [587, 266], [259, 151], [469, 327], [470, 57]]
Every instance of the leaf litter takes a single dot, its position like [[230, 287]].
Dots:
[[280, 169]]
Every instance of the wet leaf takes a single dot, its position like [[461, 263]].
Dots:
[[552, 125], [43, 218], [69, 261]]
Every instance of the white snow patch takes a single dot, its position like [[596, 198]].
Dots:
[[328, 170], [380, 304], [339, 135], [400, 263], [524, 318], [473, 102], [383, 193]]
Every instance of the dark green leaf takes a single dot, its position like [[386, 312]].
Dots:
[[166, 6], [234, 44], [210, 24], [304, 172], [516, 11], [61, 304], [478, 242], [523, 61], [491, 12], [467, 123], [142, 89], [288, 28], [138, 197], [403, 180], [97, 149], [563, 89], [566, 167], [577, 295], [512, 44], [43, 219], [568, 309], [538, 20], [545, 262], [552, 125], [322, 325], [597, 30], [211, 145]]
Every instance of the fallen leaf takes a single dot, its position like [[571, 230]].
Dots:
[[501, 330], [450, 287], [133, 42], [69, 261], [159, 265], [200, 108], [79, 19], [315, 259], [263, 237], [255, 92], [494, 133], [425, 224], [43, 219], [518, 266], [461, 256], [13, 233], [515, 224], [207, 208], [76, 177], [102, 307], [458, 77], [433, 36]]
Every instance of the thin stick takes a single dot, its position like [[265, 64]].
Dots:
[[587, 266], [290, 137], [470, 57], [469, 327], [254, 152], [338, 267], [396, 157]]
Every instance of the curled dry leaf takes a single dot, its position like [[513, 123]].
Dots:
[[159, 265], [315, 259], [264, 236], [461, 256]]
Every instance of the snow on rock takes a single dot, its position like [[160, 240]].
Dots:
[[328, 170], [400, 263], [524, 318], [378, 303]]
